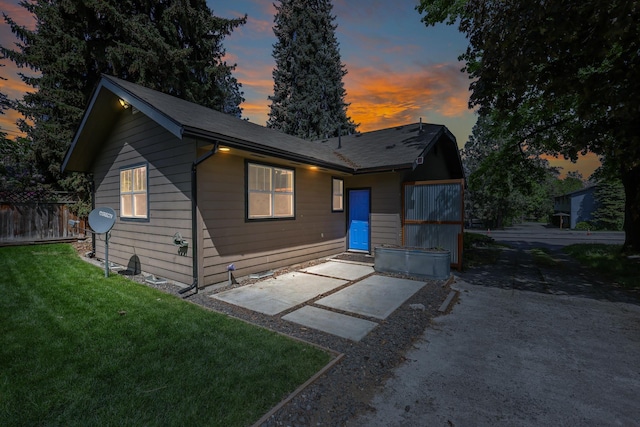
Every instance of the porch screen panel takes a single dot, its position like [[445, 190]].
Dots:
[[433, 202], [444, 236], [433, 216]]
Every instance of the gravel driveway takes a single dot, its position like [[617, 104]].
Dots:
[[519, 358], [525, 345]]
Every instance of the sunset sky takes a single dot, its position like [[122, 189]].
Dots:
[[398, 69]]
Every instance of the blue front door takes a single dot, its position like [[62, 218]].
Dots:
[[359, 220]]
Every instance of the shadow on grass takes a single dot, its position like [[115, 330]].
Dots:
[[608, 261], [480, 250]]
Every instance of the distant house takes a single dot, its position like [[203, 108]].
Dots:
[[196, 190], [577, 206]]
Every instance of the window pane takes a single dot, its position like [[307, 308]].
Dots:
[[337, 203], [283, 205], [259, 205], [140, 205], [126, 205], [259, 178], [283, 180], [125, 180], [140, 179]]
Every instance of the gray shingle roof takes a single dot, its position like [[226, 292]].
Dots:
[[396, 147], [386, 149]]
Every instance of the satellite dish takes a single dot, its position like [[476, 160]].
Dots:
[[102, 220]]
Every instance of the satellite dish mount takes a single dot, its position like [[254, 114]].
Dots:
[[101, 221]]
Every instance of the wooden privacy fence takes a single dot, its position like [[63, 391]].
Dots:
[[36, 216], [433, 216]]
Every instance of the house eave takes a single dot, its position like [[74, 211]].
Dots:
[[263, 150], [101, 112], [154, 114], [381, 169]]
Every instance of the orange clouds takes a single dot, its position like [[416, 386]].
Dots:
[[378, 97], [8, 123], [18, 13], [383, 98], [586, 164]]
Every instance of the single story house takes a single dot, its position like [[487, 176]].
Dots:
[[196, 190], [574, 207]]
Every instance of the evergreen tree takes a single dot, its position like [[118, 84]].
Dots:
[[15, 170], [173, 46], [609, 196], [308, 93]]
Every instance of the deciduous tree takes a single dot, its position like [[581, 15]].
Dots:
[[561, 75], [505, 181]]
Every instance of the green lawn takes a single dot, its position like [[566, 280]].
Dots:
[[79, 349], [609, 261]]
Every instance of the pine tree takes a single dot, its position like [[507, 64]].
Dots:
[[173, 46], [609, 213], [308, 99], [16, 172]]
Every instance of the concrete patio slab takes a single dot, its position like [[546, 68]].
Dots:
[[376, 296], [340, 270], [275, 295], [344, 326]]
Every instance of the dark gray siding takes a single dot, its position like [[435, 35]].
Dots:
[[135, 140], [255, 246]]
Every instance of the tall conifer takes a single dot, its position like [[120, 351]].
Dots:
[[308, 93], [174, 46]]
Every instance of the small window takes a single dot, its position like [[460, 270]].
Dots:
[[337, 195], [133, 193], [270, 192]]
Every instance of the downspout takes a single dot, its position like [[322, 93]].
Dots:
[[92, 190], [194, 217]]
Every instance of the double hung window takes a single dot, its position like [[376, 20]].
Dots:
[[337, 195], [270, 192], [133, 193]]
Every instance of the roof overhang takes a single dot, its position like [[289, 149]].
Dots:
[[249, 147], [99, 119]]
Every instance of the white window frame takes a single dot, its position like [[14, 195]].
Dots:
[[337, 195], [134, 192], [269, 190]]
